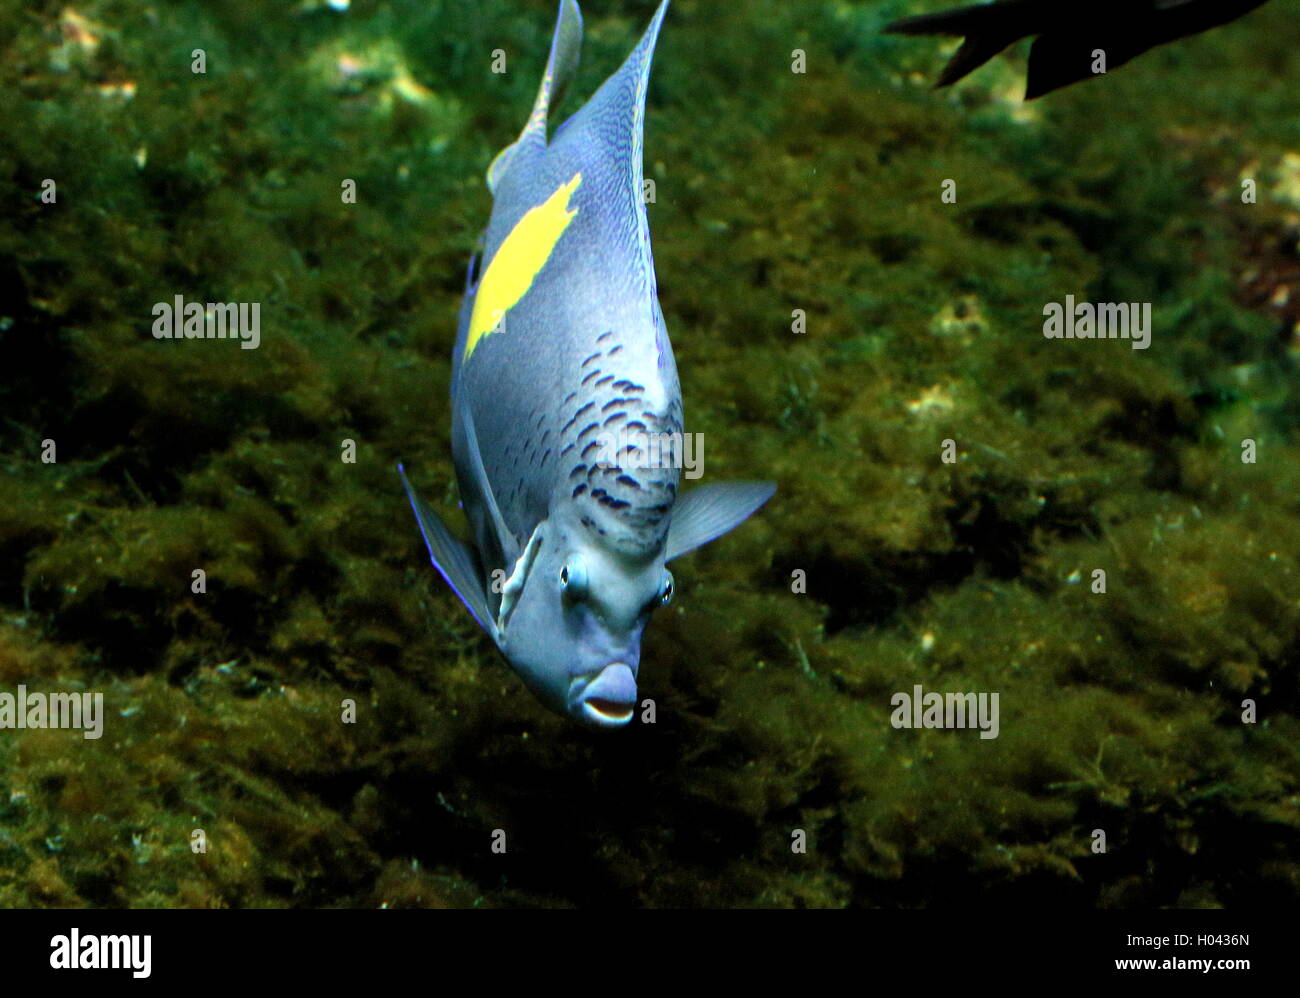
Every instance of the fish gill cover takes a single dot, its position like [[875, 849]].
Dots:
[[846, 322]]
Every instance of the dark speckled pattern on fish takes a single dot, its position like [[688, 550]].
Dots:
[[623, 496]]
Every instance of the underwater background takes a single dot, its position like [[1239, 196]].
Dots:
[[775, 191]]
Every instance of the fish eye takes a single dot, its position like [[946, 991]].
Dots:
[[573, 578], [666, 593]]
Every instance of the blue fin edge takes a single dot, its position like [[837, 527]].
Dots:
[[454, 560]]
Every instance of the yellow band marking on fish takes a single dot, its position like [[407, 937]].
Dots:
[[519, 259]]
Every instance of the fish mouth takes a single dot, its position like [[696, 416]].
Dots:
[[607, 712], [609, 700]]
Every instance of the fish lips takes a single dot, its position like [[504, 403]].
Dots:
[[605, 699]]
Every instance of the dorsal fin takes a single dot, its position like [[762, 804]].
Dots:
[[614, 118], [561, 68]]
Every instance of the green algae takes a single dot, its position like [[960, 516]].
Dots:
[[776, 192]]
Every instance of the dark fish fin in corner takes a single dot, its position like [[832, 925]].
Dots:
[[988, 28], [1058, 59], [1056, 62]]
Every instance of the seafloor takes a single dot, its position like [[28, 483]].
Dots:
[[776, 191]]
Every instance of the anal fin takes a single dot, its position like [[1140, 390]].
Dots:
[[561, 68]]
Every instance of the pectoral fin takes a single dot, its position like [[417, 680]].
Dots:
[[455, 561], [710, 511], [514, 586]]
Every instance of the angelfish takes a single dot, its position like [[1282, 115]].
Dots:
[[562, 380]]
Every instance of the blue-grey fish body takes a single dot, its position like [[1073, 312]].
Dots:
[[566, 407]]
